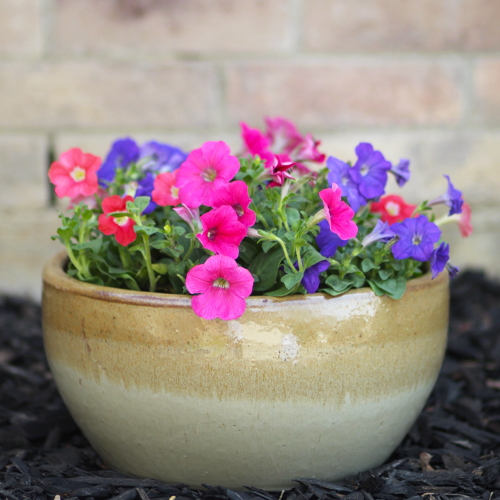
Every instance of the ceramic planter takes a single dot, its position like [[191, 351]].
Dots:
[[306, 386]]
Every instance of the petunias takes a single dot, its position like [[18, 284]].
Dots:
[[144, 187], [417, 238], [121, 227], [328, 241], [338, 213], [392, 208], [370, 171], [283, 135], [165, 192], [75, 174], [279, 170], [381, 232], [401, 172], [161, 157], [205, 170], [439, 259], [339, 174], [123, 152], [222, 232], [310, 281], [235, 194], [308, 151], [464, 223], [223, 288], [452, 198]]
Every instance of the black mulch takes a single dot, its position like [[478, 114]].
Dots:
[[452, 452]]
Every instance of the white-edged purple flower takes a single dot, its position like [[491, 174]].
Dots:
[[401, 172], [452, 198], [370, 171], [162, 157], [310, 281], [417, 238], [381, 232], [439, 258], [452, 270], [328, 241], [339, 174], [123, 152]]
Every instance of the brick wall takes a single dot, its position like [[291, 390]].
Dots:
[[419, 79]]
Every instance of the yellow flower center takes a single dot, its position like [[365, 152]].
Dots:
[[121, 221], [392, 208], [174, 191], [78, 174], [209, 174]]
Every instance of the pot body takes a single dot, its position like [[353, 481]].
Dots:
[[305, 386]]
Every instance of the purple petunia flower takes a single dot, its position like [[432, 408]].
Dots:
[[439, 259], [417, 238], [310, 281], [452, 198], [339, 174], [402, 172], [381, 232], [370, 171], [453, 270], [328, 241], [162, 157], [122, 153]]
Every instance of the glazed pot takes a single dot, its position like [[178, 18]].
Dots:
[[303, 386]]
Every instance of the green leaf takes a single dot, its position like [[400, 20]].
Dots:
[[141, 202], [333, 292], [267, 245], [265, 267], [280, 292], [159, 244], [368, 265], [248, 250], [160, 268], [389, 286], [311, 257], [290, 280], [94, 245], [376, 289], [357, 280], [383, 274], [339, 285], [292, 215], [65, 233], [400, 288], [146, 229]]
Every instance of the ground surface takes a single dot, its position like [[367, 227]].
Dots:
[[452, 452]]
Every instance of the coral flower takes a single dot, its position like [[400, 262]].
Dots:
[[338, 213], [75, 174], [223, 288], [463, 220], [205, 170], [121, 227], [222, 233], [165, 192], [392, 208], [235, 194]]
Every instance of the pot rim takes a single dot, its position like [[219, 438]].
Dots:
[[54, 275]]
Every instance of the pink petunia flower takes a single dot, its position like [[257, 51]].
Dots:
[[75, 173], [308, 150], [283, 135], [279, 170], [255, 141], [222, 233], [338, 213], [165, 191], [235, 194], [190, 215], [205, 170], [121, 227], [463, 220], [89, 201], [223, 288]]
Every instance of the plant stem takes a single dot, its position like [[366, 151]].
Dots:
[[82, 270], [299, 260], [124, 257], [147, 257], [191, 247]]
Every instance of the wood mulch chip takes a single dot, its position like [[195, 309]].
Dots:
[[452, 452]]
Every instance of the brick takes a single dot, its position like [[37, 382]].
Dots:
[[125, 27], [94, 94], [470, 159], [347, 92], [479, 24], [26, 246], [487, 91], [20, 27], [376, 25], [23, 171]]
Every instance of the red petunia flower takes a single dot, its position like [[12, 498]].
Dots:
[[392, 208], [75, 174], [165, 192], [121, 227]]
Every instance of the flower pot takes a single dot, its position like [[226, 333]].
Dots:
[[305, 386]]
